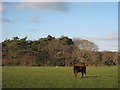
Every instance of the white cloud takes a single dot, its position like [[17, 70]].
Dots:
[[106, 42], [58, 6], [5, 20], [2, 8], [61, 0], [48, 6], [35, 19], [41, 0], [5, 5], [109, 36]]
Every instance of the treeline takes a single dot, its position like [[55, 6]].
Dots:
[[51, 51]]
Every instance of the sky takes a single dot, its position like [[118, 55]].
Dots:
[[94, 21]]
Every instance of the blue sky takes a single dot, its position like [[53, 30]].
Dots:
[[94, 21]]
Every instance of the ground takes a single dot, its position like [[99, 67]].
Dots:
[[58, 77]]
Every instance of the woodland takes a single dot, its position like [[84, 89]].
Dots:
[[51, 51]]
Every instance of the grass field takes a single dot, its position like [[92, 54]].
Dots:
[[58, 77]]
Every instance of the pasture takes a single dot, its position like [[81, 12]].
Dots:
[[58, 77]]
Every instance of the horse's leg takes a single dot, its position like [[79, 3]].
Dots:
[[85, 72], [82, 74], [75, 73]]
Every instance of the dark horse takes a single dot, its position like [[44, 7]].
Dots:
[[79, 68]]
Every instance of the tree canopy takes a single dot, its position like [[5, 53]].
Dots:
[[51, 51]]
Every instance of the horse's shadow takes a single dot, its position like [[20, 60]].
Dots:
[[92, 76]]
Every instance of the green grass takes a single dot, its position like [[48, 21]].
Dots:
[[58, 77]]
